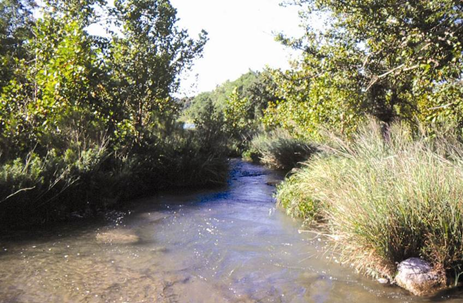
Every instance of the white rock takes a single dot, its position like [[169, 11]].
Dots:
[[383, 280], [417, 276]]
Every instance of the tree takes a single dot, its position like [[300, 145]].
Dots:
[[16, 23], [54, 98], [396, 59], [70, 86], [147, 58], [322, 91], [84, 118]]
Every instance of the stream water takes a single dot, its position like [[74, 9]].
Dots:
[[227, 245]]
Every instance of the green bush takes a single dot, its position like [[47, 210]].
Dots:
[[385, 196], [81, 88], [37, 189], [279, 150]]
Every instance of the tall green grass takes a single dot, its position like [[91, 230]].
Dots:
[[385, 197], [279, 150], [36, 188]]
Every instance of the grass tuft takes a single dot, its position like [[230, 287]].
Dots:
[[279, 150], [386, 196]]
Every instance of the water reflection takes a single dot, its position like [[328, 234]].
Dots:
[[230, 245]]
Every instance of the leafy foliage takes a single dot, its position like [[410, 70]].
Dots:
[[16, 22], [238, 104], [389, 59], [85, 119], [243, 87], [149, 58]]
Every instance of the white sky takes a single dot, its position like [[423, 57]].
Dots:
[[241, 37]]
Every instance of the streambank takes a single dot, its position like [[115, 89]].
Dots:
[[46, 191], [386, 202]]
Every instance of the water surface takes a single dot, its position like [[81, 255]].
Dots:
[[227, 245]]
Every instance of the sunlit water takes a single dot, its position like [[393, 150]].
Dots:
[[228, 245]]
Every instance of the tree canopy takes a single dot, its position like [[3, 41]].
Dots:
[[393, 59], [60, 84]]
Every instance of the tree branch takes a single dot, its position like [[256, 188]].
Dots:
[[17, 192]]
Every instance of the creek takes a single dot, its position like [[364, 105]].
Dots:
[[224, 245]]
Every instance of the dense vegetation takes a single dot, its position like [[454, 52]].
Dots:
[[239, 110], [385, 202], [390, 190], [388, 59], [88, 121], [235, 106]]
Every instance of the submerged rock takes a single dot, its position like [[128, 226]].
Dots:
[[273, 182], [417, 276], [117, 237]]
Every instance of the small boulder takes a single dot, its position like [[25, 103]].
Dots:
[[383, 281], [417, 276]]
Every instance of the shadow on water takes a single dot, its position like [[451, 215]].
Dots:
[[223, 245]]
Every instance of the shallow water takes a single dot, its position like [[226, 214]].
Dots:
[[228, 245]]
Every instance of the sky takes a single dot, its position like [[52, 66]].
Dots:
[[241, 38]]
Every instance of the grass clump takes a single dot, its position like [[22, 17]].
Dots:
[[386, 196], [36, 188], [279, 150]]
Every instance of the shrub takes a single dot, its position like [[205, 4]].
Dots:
[[180, 159], [293, 197], [84, 180], [386, 196], [38, 188], [279, 150]]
